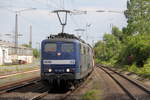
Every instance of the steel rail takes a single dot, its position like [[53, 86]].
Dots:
[[19, 85], [77, 88], [39, 96], [66, 95], [122, 86], [133, 82]]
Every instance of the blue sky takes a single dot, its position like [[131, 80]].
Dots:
[[45, 23]]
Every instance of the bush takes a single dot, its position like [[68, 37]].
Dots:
[[137, 50], [36, 53], [144, 71], [108, 49]]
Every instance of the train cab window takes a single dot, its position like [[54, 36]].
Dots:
[[67, 47], [50, 47], [84, 50], [81, 49], [89, 51]]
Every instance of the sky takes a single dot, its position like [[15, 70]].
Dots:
[[44, 22]]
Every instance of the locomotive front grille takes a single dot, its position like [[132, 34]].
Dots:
[[54, 76], [59, 71]]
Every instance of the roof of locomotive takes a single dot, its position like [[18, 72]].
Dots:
[[65, 38]]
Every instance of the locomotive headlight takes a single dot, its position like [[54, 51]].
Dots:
[[49, 70], [67, 70]]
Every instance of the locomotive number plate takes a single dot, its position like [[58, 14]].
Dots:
[[59, 62]]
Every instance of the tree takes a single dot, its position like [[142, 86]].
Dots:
[[36, 53], [138, 47], [107, 49], [26, 45], [138, 15], [117, 33]]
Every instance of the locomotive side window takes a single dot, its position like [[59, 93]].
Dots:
[[84, 50], [81, 49], [50, 47], [67, 47]]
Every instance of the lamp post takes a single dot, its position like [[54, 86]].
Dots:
[[86, 29], [0, 36], [30, 41], [16, 26]]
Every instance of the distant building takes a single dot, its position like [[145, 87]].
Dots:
[[8, 54]]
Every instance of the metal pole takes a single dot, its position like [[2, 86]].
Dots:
[[0, 37], [63, 28], [16, 33], [87, 25], [30, 41], [86, 31]]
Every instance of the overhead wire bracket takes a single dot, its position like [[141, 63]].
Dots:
[[60, 20]]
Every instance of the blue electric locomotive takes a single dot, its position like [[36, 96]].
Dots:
[[65, 58]]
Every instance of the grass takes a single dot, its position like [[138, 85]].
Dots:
[[7, 69], [17, 69], [94, 93], [144, 71], [15, 78]]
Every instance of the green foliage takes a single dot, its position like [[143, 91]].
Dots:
[[36, 53], [117, 33], [144, 71], [138, 15], [129, 48], [137, 47], [26, 45], [107, 49], [92, 95]]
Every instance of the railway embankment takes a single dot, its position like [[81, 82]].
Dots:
[[15, 73], [11, 69], [131, 74]]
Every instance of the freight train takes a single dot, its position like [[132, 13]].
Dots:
[[65, 59]]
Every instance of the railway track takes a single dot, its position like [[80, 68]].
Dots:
[[17, 85], [46, 94], [33, 90], [133, 89], [39, 96], [61, 96]]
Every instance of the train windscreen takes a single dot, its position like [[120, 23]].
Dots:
[[50, 47], [67, 47]]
